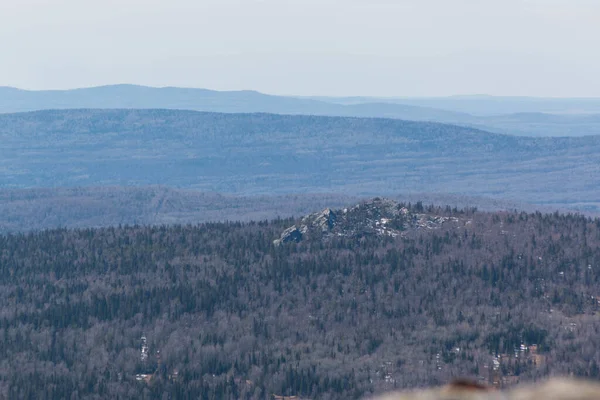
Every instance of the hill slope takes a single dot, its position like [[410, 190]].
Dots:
[[275, 154], [224, 313]]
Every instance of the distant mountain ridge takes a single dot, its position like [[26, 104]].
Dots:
[[485, 105], [516, 116], [245, 101]]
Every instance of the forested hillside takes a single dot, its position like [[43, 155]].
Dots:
[[225, 313], [250, 154]]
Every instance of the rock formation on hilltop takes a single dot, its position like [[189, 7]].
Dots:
[[376, 217]]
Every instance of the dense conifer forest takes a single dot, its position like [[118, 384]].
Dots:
[[218, 311]]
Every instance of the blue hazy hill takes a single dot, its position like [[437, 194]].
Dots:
[[254, 154]]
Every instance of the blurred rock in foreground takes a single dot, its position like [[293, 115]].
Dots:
[[555, 389]]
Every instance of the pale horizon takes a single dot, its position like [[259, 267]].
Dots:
[[376, 48]]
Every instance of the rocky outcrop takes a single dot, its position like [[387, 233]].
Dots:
[[376, 217], [325, 220], [291, 234], [554, 389]]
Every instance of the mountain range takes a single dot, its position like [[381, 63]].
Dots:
[[485, 105], [510, 115]]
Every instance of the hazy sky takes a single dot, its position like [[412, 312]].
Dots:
[[307, 47]]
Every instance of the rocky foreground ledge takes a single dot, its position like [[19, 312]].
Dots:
[[554, 389]]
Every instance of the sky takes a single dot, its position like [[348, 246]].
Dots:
[[543, 48]]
